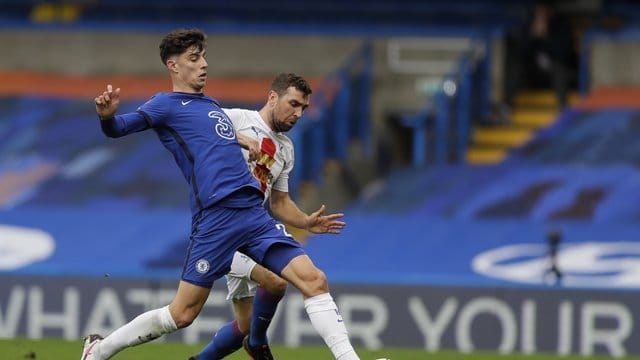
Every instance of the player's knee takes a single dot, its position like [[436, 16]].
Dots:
[[322, 282], [317, 282], [184, 318], [183, 322]]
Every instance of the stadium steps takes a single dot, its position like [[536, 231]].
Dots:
[[482, 155], [533, 110]]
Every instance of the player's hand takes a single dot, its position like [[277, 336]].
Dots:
[[250, 145], [318, 223], [107, 103]]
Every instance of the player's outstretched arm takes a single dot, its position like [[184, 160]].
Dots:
[[286, 210], [107, 103]]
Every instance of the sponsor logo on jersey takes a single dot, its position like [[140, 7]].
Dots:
[[262, 170], [223, 126]]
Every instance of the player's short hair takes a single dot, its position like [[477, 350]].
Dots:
[[179, 41], [284, 81]]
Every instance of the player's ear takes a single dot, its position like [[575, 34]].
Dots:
[[272, 98], [172, 65]]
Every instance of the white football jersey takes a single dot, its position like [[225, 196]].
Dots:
[[276, 159]]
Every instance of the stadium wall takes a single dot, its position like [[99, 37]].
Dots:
[[98, 52], [608, 59], [506, 320], [107, 52]]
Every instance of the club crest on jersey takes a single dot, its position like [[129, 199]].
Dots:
[[202, 266], [223, 125], [262, 170]]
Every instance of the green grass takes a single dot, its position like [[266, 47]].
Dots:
[[20, 349]]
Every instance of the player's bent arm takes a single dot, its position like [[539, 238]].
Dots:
[[250, 145], [285, 210]]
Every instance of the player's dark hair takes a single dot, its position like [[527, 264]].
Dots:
[[284, 81], [179, 41]]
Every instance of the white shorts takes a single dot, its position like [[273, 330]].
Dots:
[[239, 281]]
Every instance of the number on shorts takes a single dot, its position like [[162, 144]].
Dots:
[[283, 229]]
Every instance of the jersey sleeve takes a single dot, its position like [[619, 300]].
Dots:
[[147, 116], [282, 182], [121, 125]]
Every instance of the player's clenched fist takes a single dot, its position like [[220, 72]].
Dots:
[[107, 103]]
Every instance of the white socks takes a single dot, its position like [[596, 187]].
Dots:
[[328, 322], [322, 311], [146, 327]]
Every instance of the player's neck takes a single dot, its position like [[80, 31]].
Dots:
[[182, 87], [187, 90], [266, 117]]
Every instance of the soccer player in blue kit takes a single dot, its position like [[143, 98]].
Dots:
[[226, 205]]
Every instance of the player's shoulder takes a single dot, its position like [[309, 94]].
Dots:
[[242, 117], [285, 141], [284, 138], [211, 99], [238, 112], [162, 99], [232, 112], [161, 96], [156, 101]]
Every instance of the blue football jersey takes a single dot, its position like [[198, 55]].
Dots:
[[203, 143]]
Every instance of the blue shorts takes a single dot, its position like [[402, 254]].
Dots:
[[218, 232]]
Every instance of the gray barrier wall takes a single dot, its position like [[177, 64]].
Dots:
[[133, 52], [250, 55], [507, 320], [614, 63]]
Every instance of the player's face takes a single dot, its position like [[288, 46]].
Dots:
[[191, 67], [288, 108]]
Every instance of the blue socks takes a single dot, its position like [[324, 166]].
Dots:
[[264, 306], [227, 340]]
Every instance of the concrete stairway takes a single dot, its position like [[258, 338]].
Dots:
[[533, 110]]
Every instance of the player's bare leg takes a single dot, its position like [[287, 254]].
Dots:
[[150, 325], [230, 336]]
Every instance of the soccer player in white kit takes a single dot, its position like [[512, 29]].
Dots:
[[254, 290]]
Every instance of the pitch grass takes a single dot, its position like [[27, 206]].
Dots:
[[50, 349]]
